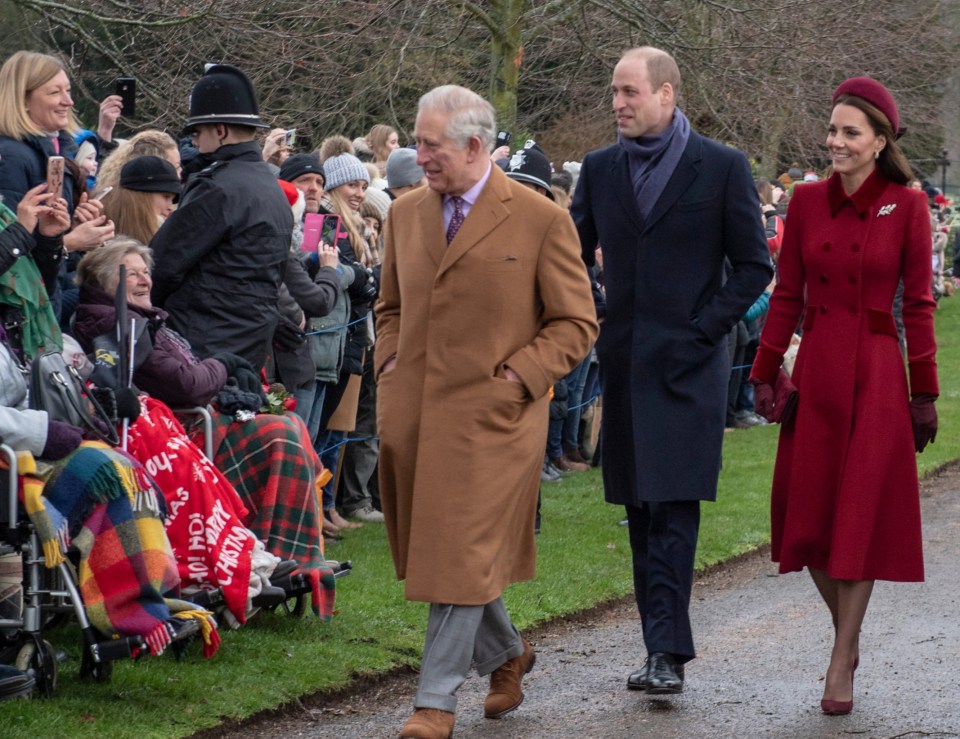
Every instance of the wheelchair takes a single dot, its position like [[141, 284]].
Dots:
[[49, 596]]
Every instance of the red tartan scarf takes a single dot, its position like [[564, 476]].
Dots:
[[205, 521]]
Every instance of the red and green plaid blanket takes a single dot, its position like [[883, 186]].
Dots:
[[274, 468]]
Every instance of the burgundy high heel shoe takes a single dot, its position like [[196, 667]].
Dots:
[[840, 708]]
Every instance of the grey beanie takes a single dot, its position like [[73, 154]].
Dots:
[[377, 200], [402, 168], [342, 169]]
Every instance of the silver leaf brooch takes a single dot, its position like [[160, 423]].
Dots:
[[886, 209]]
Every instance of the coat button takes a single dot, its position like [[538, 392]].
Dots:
[[852, 279], [855, 248], [863, 216], [823, 278], [853, 310], [16, 252], [823, 309], [826, 246]]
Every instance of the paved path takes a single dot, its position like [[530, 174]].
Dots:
[[764, 645]]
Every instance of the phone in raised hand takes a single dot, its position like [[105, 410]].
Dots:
[[55, 176], [126, 88]]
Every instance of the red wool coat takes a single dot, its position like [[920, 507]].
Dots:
[[845, 493]]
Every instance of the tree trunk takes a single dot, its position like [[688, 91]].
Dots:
[[506, 56]]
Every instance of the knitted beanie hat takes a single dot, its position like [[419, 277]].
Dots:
[[402, 168], [297, 165], [342, 169], [375, 204]]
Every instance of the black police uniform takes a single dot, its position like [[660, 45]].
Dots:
[[220, 257]]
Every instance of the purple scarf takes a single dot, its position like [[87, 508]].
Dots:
[[652, 160]]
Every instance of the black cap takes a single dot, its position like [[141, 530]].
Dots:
[[223, 95], [297, 165], [530, 164], [150, 174]]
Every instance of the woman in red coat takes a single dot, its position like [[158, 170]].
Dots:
[[845, 498]]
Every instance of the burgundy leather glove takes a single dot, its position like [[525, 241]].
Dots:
[[776, 403], [62, 438], [923, 416], [784, 399], [763, 399]]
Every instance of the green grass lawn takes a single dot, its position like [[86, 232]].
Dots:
[[584, 559]]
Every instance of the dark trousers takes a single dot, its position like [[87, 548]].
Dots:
[[663, 539]]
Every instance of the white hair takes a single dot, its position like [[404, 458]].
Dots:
[[468, 114]]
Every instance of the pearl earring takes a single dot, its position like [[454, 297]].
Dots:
[[876, 154]]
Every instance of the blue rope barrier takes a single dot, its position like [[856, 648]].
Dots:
[[335, 328], [346, 441]]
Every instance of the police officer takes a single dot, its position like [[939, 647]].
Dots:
[[219, 258]]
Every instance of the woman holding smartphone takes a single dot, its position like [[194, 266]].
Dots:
[[37, 123]]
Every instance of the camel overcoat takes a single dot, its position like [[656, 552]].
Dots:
[[845, 494], [461, 447]]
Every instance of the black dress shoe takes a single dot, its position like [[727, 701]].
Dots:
[[639, 679], [664, 676]]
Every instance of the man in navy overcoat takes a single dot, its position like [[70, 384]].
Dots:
[[677, 218]]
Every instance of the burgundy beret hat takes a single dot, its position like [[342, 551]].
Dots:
[[874, 93]]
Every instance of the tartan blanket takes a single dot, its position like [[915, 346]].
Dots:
[[205, 521], [102, 502], [274, 468]]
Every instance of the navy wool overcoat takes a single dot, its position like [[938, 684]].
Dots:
[[676, 284]]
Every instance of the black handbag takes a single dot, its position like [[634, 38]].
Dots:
[[58, 389]]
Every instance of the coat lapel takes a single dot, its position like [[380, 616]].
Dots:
[[620, 171], [686, 172], [431, 225], [485, 215]]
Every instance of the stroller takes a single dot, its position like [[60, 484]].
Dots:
[[49, 596]]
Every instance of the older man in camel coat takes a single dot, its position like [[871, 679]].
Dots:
[[484, 303]]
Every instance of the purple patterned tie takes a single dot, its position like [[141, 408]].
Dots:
[[457, 220]]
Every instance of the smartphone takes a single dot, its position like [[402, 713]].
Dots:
[[330, 231], [319, 227], [504, 138], [126, 88], [291, 137], [55, 176]]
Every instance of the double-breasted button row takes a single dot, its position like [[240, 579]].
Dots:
[[855, 248], [852, 279]]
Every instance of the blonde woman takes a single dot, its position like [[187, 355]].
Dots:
[[36, 121], [382, 139]]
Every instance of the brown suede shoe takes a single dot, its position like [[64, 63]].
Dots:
[[567, 465], [505, 693], [574, 455], [428, 723]]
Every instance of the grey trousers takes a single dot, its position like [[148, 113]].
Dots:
[[457, 635]]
